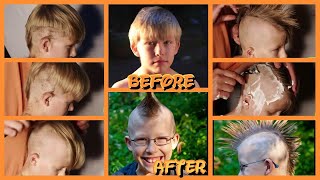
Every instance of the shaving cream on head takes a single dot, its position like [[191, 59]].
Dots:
[[264, 87]]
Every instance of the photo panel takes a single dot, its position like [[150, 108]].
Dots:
[[264, 147], [264, 31], [142, 131], [53, 147], [53, 89], [264, 89], [156, 46], [54, 30]]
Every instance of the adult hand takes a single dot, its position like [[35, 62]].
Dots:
[[12, 128], [292, 73], [224, 82], [218, 17]]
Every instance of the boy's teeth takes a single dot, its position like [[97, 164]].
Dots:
[[151, 160]]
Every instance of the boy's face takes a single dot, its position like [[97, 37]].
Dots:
[[61, 47], [59, 103], [262, 39], [146, 155], [156, 55]]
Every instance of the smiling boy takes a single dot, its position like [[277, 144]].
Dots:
[[151, 136]]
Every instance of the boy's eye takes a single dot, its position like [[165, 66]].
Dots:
[[168, 42], [151, 43]]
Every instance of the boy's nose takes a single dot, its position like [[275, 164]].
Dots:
[[282, 53], [71, 107], [73, 52], [62, 172], [159, 49], [151, 147]]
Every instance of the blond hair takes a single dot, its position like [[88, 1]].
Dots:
[[241, 130], [45, 20], [67, 132], [280, 16], [154, 23], [68, 76]]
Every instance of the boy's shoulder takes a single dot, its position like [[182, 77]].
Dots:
[[130, 169], [121, 84]]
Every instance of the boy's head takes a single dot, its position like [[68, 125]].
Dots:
[[151, 134], [267, 91], [53, 31], [54, 148], [264, 30], [52, 88], [155, 38], [263, 147]]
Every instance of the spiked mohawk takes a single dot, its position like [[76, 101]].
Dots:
[[149, 106], [240, 130], [280, 16]]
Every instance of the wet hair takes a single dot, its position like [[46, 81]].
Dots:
[[280, 16], [154, 23], [46, 20], [66, 131], [241, 130], [68, 76]]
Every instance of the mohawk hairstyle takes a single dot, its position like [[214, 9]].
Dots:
[[280, 16], [149, 106], [240, 130]]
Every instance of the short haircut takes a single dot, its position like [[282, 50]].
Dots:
[[280, 16], [154, 23], [68, 76], [59, 18], [241, 130], [149, 108], [67, 132]]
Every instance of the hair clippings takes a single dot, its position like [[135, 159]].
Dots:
[[251, 70]]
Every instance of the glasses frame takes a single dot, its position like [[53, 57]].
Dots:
[[154, 140], [242, 166]]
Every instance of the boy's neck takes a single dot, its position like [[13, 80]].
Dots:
[[141, 71]]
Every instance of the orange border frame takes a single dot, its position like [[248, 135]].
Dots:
[[106, 4]]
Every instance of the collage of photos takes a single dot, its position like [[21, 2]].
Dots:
[[158, 88]]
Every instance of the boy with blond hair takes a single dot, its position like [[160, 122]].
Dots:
[[51, 148], [264, 30], [52, 31], [151, 136], [52, 88], [154, 38]]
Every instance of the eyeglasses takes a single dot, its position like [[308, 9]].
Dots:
[[160, 141], [243, 166]]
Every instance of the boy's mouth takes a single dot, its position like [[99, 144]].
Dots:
[[152, 159], [160, 61]]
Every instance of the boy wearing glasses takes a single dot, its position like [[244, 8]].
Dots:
[[264, 147], [151, 136]]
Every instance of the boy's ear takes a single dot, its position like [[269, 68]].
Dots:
[[128, 142], [250, 52], [175, 141], [34, 159], [235, 33], [45, 45], [177, 48], [134, 49], [270, 166], [247, 101], [46, 98]]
